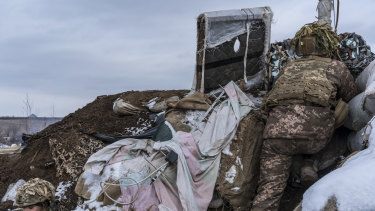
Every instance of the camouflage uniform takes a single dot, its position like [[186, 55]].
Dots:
[[297, 129], [36, 191]]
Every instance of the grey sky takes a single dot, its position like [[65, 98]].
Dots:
[[65, 53]]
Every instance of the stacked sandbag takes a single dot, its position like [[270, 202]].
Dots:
[[239, 170], [362, 107]]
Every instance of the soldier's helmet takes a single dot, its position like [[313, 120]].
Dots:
[[35, 191], [316, 39]]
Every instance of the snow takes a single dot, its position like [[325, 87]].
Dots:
[[353, 185], [10, 195], [61, 190], [193, 118], [152, 102], [236, 188], [238, 162], [144, 125], [230, 174], [226, 150]]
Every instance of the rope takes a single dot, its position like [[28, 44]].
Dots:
[[247, 46], [134, 199], [349, 156]]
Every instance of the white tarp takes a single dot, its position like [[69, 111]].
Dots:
[[223, 26], [198, 155]]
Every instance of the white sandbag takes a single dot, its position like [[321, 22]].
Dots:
[[369, 97], [355, 141], [366, 83], [363, 79], [357, 117], [124, 108]]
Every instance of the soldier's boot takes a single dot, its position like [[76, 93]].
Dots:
[[309, 173]]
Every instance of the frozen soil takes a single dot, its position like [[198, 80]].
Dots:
[[96, 117]]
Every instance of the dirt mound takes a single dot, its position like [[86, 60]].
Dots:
[[36, 159]]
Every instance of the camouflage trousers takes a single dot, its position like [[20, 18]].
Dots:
[[275, 162]]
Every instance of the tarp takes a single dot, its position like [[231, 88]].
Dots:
[[198, 156]]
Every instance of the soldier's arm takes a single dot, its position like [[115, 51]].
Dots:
[[347, 89]]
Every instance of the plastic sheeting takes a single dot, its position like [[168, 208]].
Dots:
[[198, 161], [231, 45], [223, 26]]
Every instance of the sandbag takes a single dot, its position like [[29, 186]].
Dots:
[[366, 83], [357, 117], [195, 101], [242, 160], [355, 141], [364, 77], [369, 97], [125, 108]]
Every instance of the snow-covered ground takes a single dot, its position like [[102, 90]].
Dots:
[[353, 185]]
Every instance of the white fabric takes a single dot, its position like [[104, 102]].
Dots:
[[98, 160], [223, 26]]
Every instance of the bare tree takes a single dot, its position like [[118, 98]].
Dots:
[[28, 107]]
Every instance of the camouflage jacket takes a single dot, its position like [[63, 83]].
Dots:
[[311, 122]]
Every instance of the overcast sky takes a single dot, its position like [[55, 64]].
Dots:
[[65, 53]]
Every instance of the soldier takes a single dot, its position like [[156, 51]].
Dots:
[[301, 108], [36, 195]]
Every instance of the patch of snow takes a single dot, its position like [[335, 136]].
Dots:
[[352, 185], [236, 188], [143, 126], [152, 102], [230, 174], [227, 151], [61, 190], [193, 118], [95, 205], [10, 195], [238, 162]]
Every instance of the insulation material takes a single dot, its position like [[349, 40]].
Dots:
[[357, 117], [239, 189], [231, 45]]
